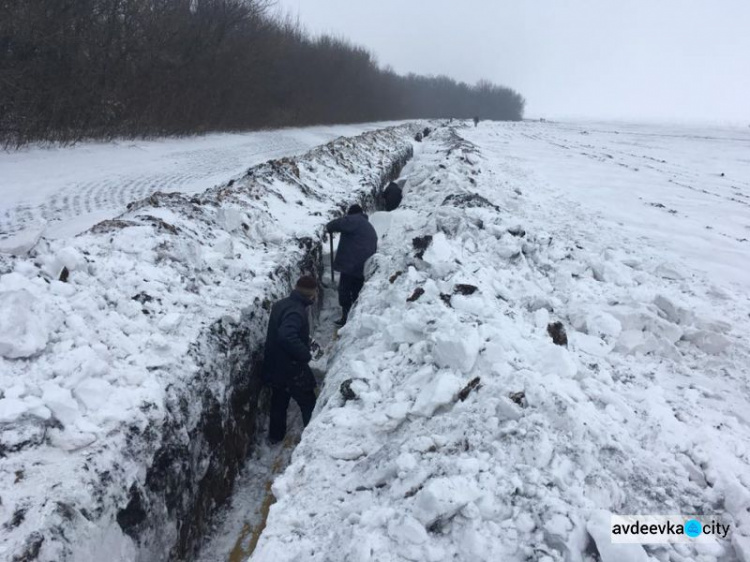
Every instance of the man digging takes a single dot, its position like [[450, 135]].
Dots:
[[358, 242]]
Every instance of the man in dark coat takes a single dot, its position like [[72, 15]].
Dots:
[[392, 196], [358, 242], [287, 354]]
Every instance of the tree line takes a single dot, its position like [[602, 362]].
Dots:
[[73, 69]]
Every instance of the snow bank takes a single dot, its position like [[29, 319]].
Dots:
[[128, 354], [474, 436]]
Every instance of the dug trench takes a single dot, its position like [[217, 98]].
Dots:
[[194, 473], [149, 489], [239, 524], [223, 437]]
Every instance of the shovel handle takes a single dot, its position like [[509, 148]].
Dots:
[[333, 276]]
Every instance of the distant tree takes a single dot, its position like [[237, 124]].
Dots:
[[71, 69]]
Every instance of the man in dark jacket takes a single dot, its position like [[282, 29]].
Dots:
[[287, 354], [358, 242], [392, 196]]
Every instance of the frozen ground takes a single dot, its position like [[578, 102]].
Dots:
[[472, 435], [64, 191]]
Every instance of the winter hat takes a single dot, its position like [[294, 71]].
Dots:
[[307, 286], [354, 210]]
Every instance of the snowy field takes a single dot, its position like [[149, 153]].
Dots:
[[684, 190], [64, 191], [473, 436]]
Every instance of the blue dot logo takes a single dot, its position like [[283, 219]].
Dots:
[[693, 528]]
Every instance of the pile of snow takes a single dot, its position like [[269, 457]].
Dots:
[[105, 343], [473, 436]]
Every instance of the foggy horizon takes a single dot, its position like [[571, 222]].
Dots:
[[678, 61]]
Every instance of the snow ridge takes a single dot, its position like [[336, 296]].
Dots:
[[472, 435]]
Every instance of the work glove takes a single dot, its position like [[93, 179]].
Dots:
[[315, 350]]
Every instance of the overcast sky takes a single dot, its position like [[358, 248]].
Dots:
[[614, 59]]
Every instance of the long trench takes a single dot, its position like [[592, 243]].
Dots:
[[239, 525]]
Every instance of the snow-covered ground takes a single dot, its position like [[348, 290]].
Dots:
[[685, 190], [64, 191], [126, 353], [628, 235], [473, 436]]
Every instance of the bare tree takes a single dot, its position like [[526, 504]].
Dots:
[[71, 69]]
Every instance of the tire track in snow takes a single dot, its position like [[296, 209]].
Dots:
[[76, 204], [116, 192]]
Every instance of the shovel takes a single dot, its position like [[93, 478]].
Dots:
[[333, 276]]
